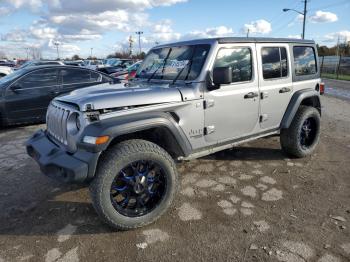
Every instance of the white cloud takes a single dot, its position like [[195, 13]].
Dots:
[[333, 37], [43, 32], [88, 6], [66, 48], [212, 32], [258, 27], [4, 11], [16, 35], [34, 5], [323, 17]]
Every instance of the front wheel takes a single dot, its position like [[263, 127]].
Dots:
[[135, 184], [302, 137]]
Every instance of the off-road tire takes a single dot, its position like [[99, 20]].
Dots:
[[290, 137], [110, 164]]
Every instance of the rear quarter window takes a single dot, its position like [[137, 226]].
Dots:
[[304, 60]]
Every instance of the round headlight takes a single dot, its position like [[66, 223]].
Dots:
[[73, 124]]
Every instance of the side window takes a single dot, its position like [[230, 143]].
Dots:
[[304, 60], [239, 59], [95, 77], [274, 62], [75, 76], [39, 78]]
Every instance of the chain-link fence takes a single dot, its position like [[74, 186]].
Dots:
[[337, 67]]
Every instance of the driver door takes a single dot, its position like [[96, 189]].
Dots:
[[232, 111]]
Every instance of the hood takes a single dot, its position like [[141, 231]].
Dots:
[[117, 95]]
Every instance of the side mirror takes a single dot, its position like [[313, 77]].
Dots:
[[222, 75]]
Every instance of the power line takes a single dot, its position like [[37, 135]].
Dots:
[[279, 17]]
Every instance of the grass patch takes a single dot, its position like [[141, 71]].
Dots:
[[334, 76]]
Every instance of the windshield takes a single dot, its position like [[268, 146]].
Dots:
[[12, 76], [115, 62], [172, 63]]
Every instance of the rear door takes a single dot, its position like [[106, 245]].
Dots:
[[275, 83], [32, 95], [233, 110], [75, 78]]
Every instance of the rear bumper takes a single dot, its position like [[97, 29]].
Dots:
[[57, 163]]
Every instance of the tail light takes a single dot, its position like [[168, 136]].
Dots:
[[322, 88]]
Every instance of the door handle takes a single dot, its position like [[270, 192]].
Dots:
[[251, 95], [284, 90]]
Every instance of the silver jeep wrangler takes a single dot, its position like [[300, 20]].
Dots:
[[188, 100]]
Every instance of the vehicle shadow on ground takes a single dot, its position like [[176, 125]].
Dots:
[[48, 217], [71, 204]]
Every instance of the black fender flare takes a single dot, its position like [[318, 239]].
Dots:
[[122, 125], [296, 100]]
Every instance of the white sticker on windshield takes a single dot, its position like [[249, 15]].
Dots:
[[178, 64]]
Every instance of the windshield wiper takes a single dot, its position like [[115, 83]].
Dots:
[[163, 65], [189, 65]]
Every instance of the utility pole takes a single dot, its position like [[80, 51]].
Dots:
[[58, 54], [336, 69], [248, 32], [131, 42], [304, 20], [302, 13], [91, 52], [139, 33]]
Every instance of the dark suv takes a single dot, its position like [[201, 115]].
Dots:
[[26, 93]]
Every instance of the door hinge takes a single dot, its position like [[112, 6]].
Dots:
[[209, 130], [208, 103]]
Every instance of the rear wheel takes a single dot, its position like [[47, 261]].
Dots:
[[302, 137], [135, 184]]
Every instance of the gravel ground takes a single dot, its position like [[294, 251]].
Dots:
[[251, 203]]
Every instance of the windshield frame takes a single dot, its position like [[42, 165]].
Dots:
[[10, 78], [199, 76]]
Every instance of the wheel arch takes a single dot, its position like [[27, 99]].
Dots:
[[159, 128], [308, 97]]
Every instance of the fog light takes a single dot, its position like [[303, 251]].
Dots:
[[95, 140]]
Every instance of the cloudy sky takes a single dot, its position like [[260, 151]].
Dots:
[[106, 25]]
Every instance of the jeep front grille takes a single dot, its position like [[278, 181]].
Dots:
[[56, 121]]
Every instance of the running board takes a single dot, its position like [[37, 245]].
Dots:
[[215, 149]]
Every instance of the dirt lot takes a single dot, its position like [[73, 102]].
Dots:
[[251, 203]]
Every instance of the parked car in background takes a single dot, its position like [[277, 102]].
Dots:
[[7, 63], [127, 74], [5, 70], [30, 63], [26, 93], [92, 64], [20, 62], [115, 65], [74, 63]]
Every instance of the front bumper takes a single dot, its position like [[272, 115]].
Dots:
[[56, 163]]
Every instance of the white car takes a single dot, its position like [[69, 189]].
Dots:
[[5, 70], [92, 64]]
